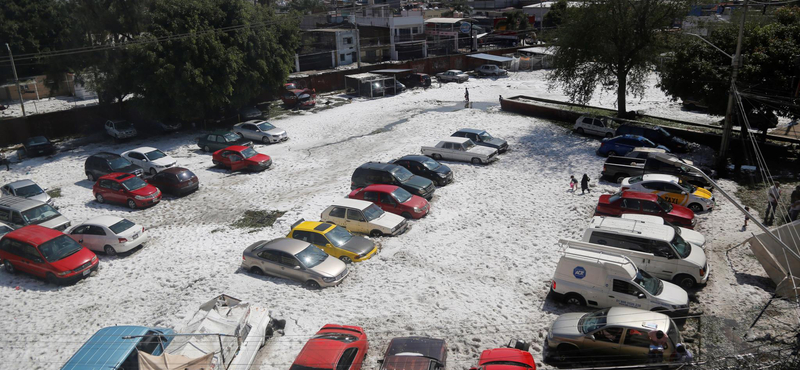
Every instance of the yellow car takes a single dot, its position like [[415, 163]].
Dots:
[[334, 240], [673, 190]]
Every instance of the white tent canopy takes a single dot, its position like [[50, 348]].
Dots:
[[174, 362], [781, 264]]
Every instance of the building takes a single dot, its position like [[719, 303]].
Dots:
[[340, 42], [405, 31]]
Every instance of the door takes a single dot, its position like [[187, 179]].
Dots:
[[322, 242], [269, 261], [138, 159], [14, 253], [625, 293], [77, 234], [291, 267], [371, 196], [635, 344], [95, 238], [236, 161], [604, 343], [116, 193], [661, 265], [249, 131], [356, 222], [674, 194], [630, 205], [33, 261], [474, 137], [388, 203], [337, 216]]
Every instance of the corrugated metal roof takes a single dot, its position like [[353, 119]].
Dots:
[[392, 71], [493, 58], [106, 349]]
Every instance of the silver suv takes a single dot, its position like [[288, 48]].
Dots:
[[19, 212]]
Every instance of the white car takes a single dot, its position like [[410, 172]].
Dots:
[[150, 159], [259, 130], [109, 234], [690, 236], [460, 149], [490, 70], [672, 189], [5, 229], [452, 75], [594, 126], [120, 129], [364, 217]]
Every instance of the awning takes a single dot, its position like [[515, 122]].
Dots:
[[491, 58], [392, 71], [544, 50], [448, 20]]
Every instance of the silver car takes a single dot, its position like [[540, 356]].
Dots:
[[262, 131], [27, 189], [295, 260], [453, 75], [621, 333]]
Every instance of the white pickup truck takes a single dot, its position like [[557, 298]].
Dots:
[[460, 149]]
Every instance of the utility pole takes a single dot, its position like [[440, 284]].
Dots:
[[16, 79], [726, 134], [358, 37]]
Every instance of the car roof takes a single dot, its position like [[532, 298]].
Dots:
[[633, 227], [378, 166], [352, 203], [634, 317], [106, 349], [471, 130], [21, 183], [454, 139], [142, 149], [34, 234], [639, 195], [505, 354], [106, 155], [176, 170], [414, 157], [600, 258], [117, 176], [382, 188], [315, 226], [291, 246], [19, 203], [660, 177], [105, 220], [237, 148]]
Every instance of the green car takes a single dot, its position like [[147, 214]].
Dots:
[[220, 140]]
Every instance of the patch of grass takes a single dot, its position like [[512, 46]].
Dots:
[[755, 197], [257, 219], [217, 230], [378, 131], [54, 193]]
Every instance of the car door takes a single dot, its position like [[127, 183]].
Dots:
[[371, 196], [356, 222], [626, 294], [604, 343], [348, 360], [117, 192], [291, 267], [388, 203], [34, 261], [635, 344], [162, 181], [14, 254], [674, 194], [337, 216], [77, 234], [326, 246], [629, 205], [17, 220], [249, 131], [95, 238], [660, 265], [237, 161], [135, 158], [270, 263]]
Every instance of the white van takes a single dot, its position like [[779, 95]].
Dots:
[[657, 249], [691, 236], [593, 278]]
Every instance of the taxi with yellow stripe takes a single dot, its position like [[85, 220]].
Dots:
[[334, 240], [673, 190]]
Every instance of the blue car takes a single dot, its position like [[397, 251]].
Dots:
[[114, 348], [623, 144]]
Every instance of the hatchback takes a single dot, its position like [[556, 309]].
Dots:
[[334, 346], [126, 189], [38, 145], [295, 260], [393, 199], [621, 145], [176, 181], [220, 140], [109, 234], [415, 353], [46, 253], [238, 157]]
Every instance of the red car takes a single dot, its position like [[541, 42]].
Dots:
[[393, 199], [46, 253], [175, 180], [646, 204], [237, 157], [505, 359], [334, 346], [126, 189]]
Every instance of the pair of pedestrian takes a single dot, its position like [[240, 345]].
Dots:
[[573, 183]]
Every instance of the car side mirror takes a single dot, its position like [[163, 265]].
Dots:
[[683, 192], [80, 240], [145, 160], [297, 267], [641, 296]]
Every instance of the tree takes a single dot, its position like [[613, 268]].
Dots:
[[515, 20], [458, 6], [612, 44], [555, 15]]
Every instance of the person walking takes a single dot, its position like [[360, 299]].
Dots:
[[5, 161], [585, 184], [466, 94], [573, 183], [773, 195]]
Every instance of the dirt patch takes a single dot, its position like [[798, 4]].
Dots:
[[755, 197], [54, 193], [258, 219]]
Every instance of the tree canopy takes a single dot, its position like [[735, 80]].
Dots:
[[29, 27], [515, 20], [555, 16]]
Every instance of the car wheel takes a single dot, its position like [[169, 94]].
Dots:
[[476, 161], [90, 176], [99, 198], [9, 267], [265, 140], [131, 204], [609, 135], [256, 271], [375, 233], [110, 251], [612, 153], [566, 352], [579, 130], [52, 279], [216, 163], [696, 208], [206, 149], [153, 172], [311, 284], [406, 215], [684, 281], [436, 156], [346, 259], [574, 299]]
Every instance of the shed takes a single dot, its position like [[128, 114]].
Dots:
[[367, 84], [491, 59]]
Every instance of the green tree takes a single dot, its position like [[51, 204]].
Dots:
[[29, 27], [555, 15], [515, 20], [612, 44], [458, 6]]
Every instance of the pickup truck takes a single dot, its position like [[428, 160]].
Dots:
[[460, 149], [618, 168]]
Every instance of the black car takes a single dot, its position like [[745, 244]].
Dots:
[[482, 138], [416, 353], [416, 80], [38, 145], [426, 167], [103, 163], [220, 140], [391, 174], [657, 135]]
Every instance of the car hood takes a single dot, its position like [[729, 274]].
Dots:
[[55, 222], [43, 197], [276, 132], [673, 294], [443, 169], [483, 150], [330, 267], [417, 182], [166, 161], [693, 237], [416, 201], [359, 245], [566, 325], [702, 193], [258, 158], [145, 191], [388, 220], [74, 261], [681, 212], [697, 256], [495, 142]]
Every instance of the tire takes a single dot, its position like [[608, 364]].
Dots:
[[684, 281], [52, 279], [311, 284], [566, 352], [612, 153], [99, 198], [216, 164], [476, 161], [346, 259], [131, 204], [256, 271], [153, 172], [375, 233], [265, 140], [206, 149], [436, 156], [110, 251], [9, 267], [90, 176], [574, 299], [579, 130], [406, 215], [696, 208], [609, 135]]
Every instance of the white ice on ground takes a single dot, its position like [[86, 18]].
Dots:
[[475, 271]]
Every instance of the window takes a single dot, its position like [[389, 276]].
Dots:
[[630, 204], [115, 185], [211, 138], [371, 196], [387, 199], [16, 218], [29, 252], [319, 239], [653, 186], [610, 335], [4, 215], [270, 256], [624, 287], [587, 121], [79, 230], [650, 207], [136, 155], [249, 127], [288, 260], [672, 188], [302, 235], [619, 241], [106, 184], [599, 123], [337, 212], [637, 338], [341, 57], [355, 215], [150, 342], [661, 249], [447, 146], [347, 359], [348, 40]]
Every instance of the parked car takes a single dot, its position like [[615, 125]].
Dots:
[[19, 212], [334, 346], [588, 277], [599, 126], [151, 160], [363, 217], [109, 234], [416, 80], [120, 129], [691, 236], [671, 189], [177, 181], [482, 138], [391, 174], [618, 168], [460, 149], [490, 70], [239, 157], [261, 131], [126, 189], [38, 145], [656, 134], [509, 358], [220, 140], [295, 260], [625, 202], [103, 163], [300, 98], [692, 103], [118, 347], [5, 229], [26, 189], [617, 333], [426, 167], [46, 253], [452, 75], [621, 145], [334, 240], [393, 199], [250, 113], [396, 89], [159, 126], [415, 353]]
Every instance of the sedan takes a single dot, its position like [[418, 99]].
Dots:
[[26, 189], [334, 240], [261, 131], [109, 234], [452, 75], [426, 167], [220, 140], [635, 202], [334, 347], [672, 189], [393, 199], [38, 145], [415, 353], [150, 159], [482, 138], [241, 158], [177, 181], [295, 260], [126, 189]]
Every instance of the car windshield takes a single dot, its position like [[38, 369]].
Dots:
[[123, 125], [119, 163], [265, 126], [401, 195], [468, 145], [156, 154], [29, 191], [341, 337], [401, 173], [121, 226], [231, 137], [338, 236], [485, 136], [666, 206], [40, 214], [673, 334], [593, 321], [249, 153], [59, 248], [372, 212], [311, 256], [186, 175], [651, 284], [634, 179], [682, 246], [133, 183], [431, 164], [5, 230], [36, 140]]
